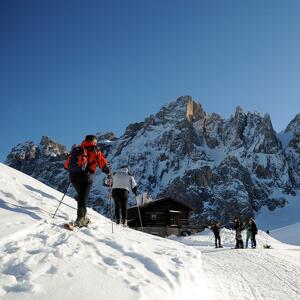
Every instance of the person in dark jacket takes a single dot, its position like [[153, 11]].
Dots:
[[238, 227], [216, 227], [249, 235], [254, 233], [82, 179]]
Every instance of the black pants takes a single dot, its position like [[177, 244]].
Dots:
[[82, 183], [217, 240], [120, 197], [253, 240]]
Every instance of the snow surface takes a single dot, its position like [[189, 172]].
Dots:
[[41, 260], [249, 273]]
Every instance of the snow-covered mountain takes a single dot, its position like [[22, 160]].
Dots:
[[41, 260], [223, 167]]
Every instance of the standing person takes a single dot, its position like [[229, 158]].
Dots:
[[122, 183], [239, 227], [249, 233], [254, 233], [81, 164], [216, 227]]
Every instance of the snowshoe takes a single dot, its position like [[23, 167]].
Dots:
[[70, 226], [83, 222]]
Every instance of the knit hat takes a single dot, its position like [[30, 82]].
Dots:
[[90, 137]]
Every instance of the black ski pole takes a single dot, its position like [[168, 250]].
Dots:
[[110, 199], [138, 207], [61, 200], [140, 218]]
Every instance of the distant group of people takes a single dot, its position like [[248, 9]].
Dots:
[[251, 231], [238, 226]]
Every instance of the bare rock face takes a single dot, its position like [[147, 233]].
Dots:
[[43, 161], [222, 167], [294, 129], [290, 140], [194, 111], [213, 130], [234, 129]]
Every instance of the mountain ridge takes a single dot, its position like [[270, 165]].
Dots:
[[223, 167]]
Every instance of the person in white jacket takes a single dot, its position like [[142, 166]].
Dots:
[[122, 183]]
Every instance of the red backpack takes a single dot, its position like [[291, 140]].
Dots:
[[78, 160]]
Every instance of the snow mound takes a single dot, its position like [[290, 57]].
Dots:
[[41, 260]]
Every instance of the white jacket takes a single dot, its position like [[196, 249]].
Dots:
[[122, 180]]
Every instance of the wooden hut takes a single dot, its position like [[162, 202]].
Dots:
[[162, 217]]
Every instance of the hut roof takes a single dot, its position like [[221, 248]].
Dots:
[[162, 200]]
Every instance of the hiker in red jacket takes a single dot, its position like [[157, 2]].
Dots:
[[82, 164]]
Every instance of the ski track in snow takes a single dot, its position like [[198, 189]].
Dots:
[[256, 275], [249, 273]]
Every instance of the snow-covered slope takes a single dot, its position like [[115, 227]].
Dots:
[[250, 274], [41, 260]]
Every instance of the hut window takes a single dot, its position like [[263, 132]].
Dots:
[[153, 216]]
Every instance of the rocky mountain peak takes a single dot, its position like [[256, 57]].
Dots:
[[48, 147], [293, 132], [106, 136], [238, 111], [31, 151], [183, 108], [194, 111], [294, 125], [23, 151]]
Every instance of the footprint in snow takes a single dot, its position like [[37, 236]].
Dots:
[[109, 261], [19, 270], [177, 261], [62, 238], [52, 270], [22, 202], [11, 247], [20, 287], [35, 251]]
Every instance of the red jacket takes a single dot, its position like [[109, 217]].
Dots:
[[95, 158]]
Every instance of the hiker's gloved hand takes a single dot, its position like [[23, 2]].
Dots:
[[106, 169], [108, 181]]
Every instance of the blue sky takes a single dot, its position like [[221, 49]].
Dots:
[[68, 68]]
